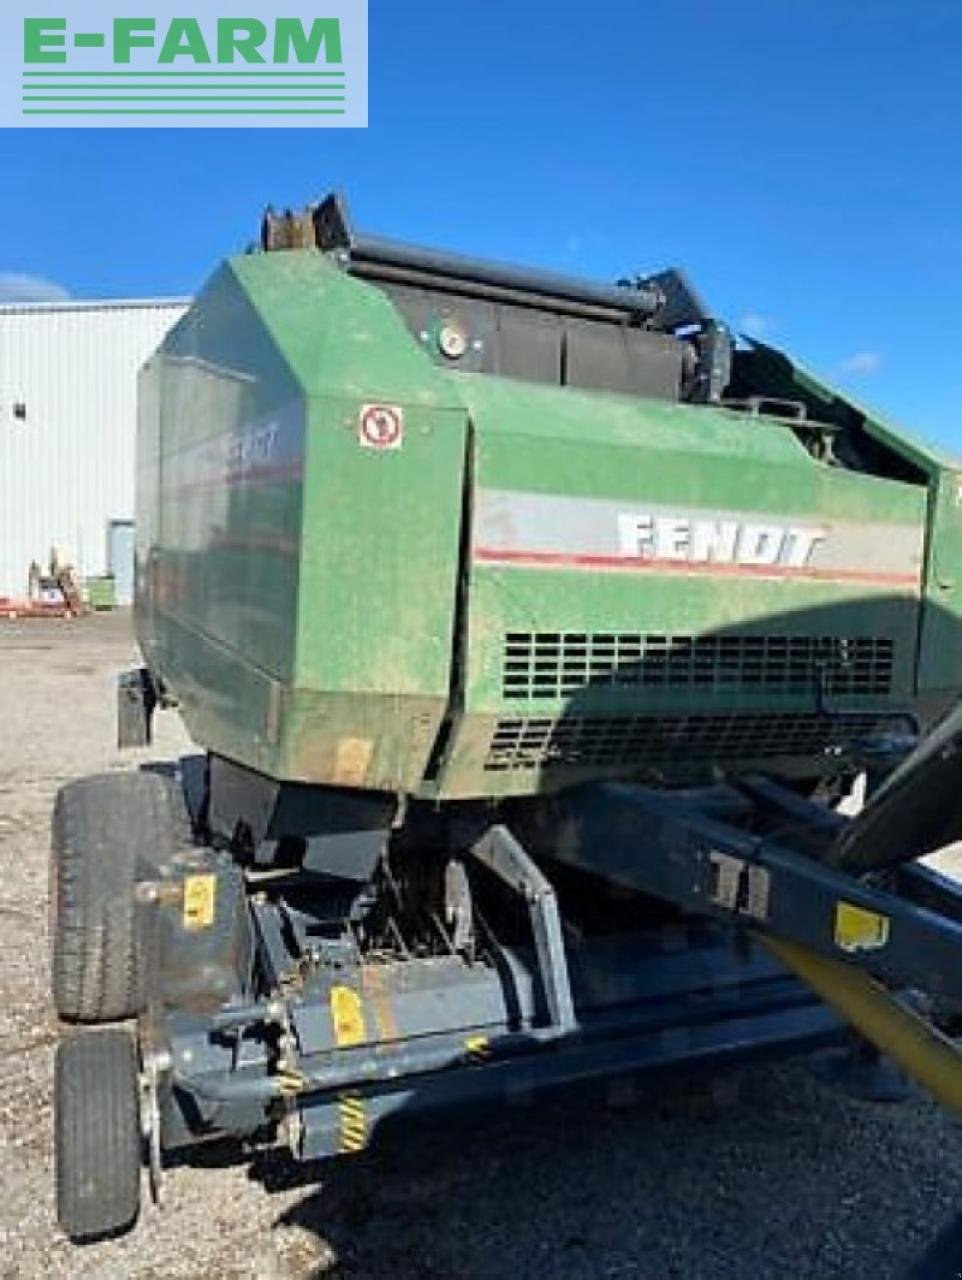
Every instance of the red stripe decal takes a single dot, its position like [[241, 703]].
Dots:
[[566, 560], [240, 479]]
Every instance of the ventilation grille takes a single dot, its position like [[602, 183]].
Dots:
[[639, 740], [556, 664]]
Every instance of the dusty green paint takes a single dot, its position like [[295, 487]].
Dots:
[[940, 655], [534, 439], [531, 439], [219, 370], [296, 625], [298, 593]]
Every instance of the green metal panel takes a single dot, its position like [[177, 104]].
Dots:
[[297, 589], [378, 582], [323, 612], [940, 657], [220, 573], [601, 454]]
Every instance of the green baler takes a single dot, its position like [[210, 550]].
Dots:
[[530, 630], [547, 577]]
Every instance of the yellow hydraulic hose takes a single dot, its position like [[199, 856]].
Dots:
[[922, 1052]]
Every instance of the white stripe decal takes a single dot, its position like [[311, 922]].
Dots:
[[554, 531]]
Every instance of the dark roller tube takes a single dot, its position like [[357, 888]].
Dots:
[[378, 250]]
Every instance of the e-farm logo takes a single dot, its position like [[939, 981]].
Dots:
[[97, 66]]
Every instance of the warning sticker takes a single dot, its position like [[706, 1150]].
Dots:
[[347, 1016], [200, 895], [381, 426], [857, 929]]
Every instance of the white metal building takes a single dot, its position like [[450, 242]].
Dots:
[[68, 415]]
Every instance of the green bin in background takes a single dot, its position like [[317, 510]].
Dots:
[[101, 592]]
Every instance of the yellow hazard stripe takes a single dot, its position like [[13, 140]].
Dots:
[[291, 1080], [353, 1122], [347, 1019]]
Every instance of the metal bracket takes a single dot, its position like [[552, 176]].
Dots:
[[740, 886], [155, 1065], [501, 853], [136, 701]]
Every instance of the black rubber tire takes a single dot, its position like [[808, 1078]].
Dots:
[[108, 831], [97, 1141]]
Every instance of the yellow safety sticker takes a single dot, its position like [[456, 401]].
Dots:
[[478, 1048], [353, 1122], [347, 1014], [857, 929], [200, 896]]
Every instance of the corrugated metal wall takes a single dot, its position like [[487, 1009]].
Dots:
[[67, 465]]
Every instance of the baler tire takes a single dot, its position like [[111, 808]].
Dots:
[[97, 1139], [108, 831]]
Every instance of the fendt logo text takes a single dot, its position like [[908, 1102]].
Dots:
[[95, 66]]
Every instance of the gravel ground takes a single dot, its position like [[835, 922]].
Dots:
[[765, 1173]]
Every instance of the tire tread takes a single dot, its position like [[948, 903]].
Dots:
[[97, 1134], [107, 832]]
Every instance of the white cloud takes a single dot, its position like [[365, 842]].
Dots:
[[17, 286], [755, 325], [861, 362]]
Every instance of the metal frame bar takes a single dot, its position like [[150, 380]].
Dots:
[[651, 843], [501, 853], [754, 1033], [653, 1027]]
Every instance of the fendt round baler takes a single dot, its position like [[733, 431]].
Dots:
[[529, 630]]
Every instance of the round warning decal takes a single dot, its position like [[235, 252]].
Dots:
[[381, 426]]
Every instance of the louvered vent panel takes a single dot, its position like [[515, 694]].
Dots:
[[536, 743], [557, 664]]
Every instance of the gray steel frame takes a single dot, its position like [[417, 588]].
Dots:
[[552, 1011], [656, 843], [449, 1029]]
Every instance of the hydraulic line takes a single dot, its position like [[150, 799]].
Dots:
[[922, 1052]]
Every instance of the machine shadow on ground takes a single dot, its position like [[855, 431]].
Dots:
[[509, 1176]]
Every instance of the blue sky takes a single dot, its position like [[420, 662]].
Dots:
[[801, 161]]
